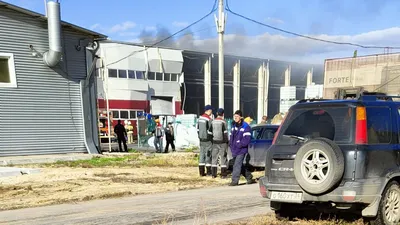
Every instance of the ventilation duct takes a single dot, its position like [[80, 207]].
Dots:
[[53, 56]]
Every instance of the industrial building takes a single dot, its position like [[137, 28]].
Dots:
[[251, 84], [164, 81], [48, 93], [373, 73]]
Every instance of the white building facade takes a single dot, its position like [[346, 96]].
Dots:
[[132, 79]]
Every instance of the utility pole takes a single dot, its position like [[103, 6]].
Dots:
[[220, 22]]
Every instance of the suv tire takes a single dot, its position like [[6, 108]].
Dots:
[[322, 159], [389, 198]]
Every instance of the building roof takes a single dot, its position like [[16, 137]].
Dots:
[[43, 17]]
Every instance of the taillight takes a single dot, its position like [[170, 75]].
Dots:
[[279, 128], [361, 126]]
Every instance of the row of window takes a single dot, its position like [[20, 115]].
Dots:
[[131, 74], [125, 114], [140, 75]]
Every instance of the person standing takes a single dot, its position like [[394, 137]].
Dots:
[[120, 131], [203, 126], [220, 144], [158, 136], [239, 141], [263, 120], [169, 137], [130, 132]]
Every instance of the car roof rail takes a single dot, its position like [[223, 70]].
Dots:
[[312, 100], [377, 98]]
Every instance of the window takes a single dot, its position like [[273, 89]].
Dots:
[[379, 125], [122, 73], [7, 70], [174, 77], [268, 134], [334, 123], [256, 133], [112, 73], [115, 114], [167, 77], [139, 75], [140, 113], [131, 74], [159, 76], [132, 114], [151, 76], [124, 114]]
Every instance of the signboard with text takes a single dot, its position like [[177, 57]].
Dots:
[[360, 71]]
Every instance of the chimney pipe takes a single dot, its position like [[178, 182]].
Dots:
[[53, 56]]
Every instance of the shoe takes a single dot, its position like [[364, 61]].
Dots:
[[223, 173], [233, 184], [214, 171], [209, 171], [202, 171], [252, 181]]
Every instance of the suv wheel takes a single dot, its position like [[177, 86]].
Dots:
[[389, 207], [319, 165]]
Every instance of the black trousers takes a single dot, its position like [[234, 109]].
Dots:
[[169, 142], [240, 167], [119, 144]]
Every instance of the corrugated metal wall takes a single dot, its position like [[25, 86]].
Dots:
[[44, 114]]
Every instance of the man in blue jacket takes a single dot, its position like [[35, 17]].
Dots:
[[238, 142]]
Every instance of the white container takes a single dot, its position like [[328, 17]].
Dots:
[[314, 91], [285, 105], [288, 93]]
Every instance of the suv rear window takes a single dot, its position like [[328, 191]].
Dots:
[[334, 123]]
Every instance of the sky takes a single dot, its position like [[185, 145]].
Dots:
[[366, 22]]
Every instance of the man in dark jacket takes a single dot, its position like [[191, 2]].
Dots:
[[169, 137], [220, 144], [120, 131], [239, 141], [203, 125]]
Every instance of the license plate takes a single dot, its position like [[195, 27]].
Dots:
[[287, 196]]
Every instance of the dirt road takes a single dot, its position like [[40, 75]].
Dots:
[[211, 205]]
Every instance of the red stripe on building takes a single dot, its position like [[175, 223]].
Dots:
[[125, 104], [134, 104]]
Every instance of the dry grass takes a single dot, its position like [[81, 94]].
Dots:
[[132, 160], [271, 220], [104, 177]]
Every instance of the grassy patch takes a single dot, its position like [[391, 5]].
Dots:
[[96, 162], [132, 160], [191, 149]]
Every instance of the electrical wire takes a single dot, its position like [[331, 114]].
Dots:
[[386, 83], [305, 36], [214, 8]]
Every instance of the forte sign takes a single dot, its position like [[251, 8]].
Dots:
[[339, 80]]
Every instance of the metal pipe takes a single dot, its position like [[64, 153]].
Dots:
[[53, 56], [221, 28]]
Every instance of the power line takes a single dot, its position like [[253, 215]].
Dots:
[[304, 36], [197, 31], [214, 8]]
